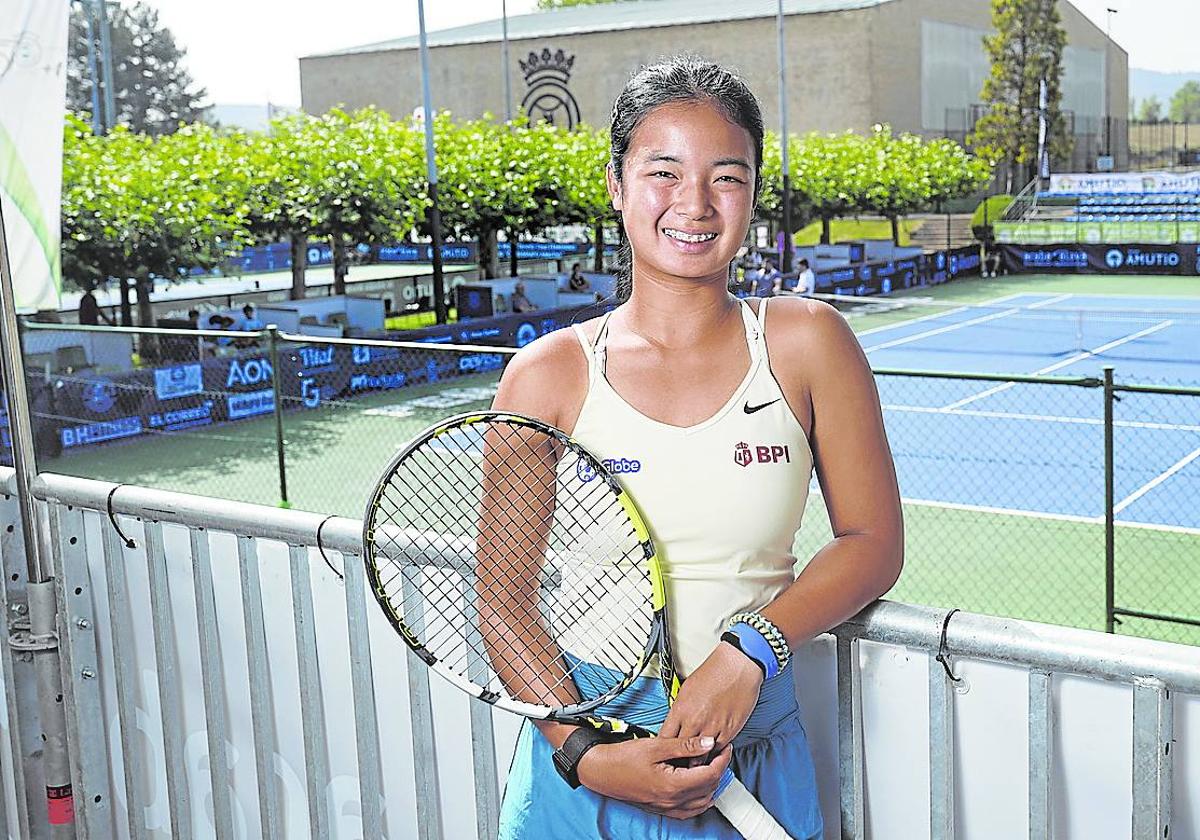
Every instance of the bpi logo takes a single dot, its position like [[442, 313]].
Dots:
[[1114, 258], [744, 456]]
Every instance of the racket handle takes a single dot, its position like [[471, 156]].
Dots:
[[747, 814]]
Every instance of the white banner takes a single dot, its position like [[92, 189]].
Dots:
[[1126, 182], [33, 61]]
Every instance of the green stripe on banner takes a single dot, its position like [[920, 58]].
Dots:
[[15, 181]]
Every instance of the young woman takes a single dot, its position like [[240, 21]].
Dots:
[[727, 406]]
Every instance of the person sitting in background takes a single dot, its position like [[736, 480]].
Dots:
[[194, 319], [90, 312], [521, 303], [218, 345], [577, 282], [806, 284], [767, 282], [250, 321]]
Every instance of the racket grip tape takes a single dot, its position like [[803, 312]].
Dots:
[[745, 813]]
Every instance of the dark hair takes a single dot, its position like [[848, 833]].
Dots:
[[682, 78], [249, 307], [803, 261]]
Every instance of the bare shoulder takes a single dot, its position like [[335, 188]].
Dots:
[[546, 379], [804, 332]]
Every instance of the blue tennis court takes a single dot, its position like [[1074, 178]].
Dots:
[[1039, 448]]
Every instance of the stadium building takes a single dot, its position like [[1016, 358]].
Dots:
[[916, 64]]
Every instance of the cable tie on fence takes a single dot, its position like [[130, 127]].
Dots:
[[112, 517], [941, 655], [321, 548]]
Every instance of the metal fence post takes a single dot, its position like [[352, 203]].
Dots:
[[42, 638], [1109, 502], [276, 386]]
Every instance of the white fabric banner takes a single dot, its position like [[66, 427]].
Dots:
[[33, 63], [1126, 182]]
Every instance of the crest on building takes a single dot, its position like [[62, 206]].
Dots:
[[546, 75]]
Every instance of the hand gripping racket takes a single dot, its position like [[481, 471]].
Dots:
[[511, 561]]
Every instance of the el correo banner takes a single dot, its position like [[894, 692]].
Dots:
[[1125, 182], [33, 59]]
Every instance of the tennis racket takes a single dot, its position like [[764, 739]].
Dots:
[[513, 564]]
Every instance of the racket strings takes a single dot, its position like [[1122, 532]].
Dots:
[[497, 547]]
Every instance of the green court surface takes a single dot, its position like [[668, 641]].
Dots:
[[1021, 564]]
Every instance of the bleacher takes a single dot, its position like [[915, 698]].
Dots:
[[1135, 207]]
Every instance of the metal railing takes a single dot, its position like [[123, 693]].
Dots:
[[225, 653], [999, 467]]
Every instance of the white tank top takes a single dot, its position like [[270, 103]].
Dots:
[[723, 499]]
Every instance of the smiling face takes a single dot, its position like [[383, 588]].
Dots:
[[686, 194]]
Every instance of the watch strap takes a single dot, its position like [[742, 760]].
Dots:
[[733, 639], [567, 757]]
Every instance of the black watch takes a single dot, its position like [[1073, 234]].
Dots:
[[567, 757]]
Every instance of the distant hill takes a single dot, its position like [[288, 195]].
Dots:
[[1146, 83], [248, 117]]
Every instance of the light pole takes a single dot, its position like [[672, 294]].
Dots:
[[504, 60], [110, 108], [783, 142], [93, 68], [1108, 83], [435, 216]]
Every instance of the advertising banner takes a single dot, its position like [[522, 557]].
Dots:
[[33, 50], [1125, 182], [1102, 259]]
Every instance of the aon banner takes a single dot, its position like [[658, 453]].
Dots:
[[33, 60]]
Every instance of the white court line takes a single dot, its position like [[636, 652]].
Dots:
[[1049, 301], [1150, 485], [940, 330], [1043, 418], [1078, 357], [1154, 526], [963, 308], [1032, 514], [1037, 514]]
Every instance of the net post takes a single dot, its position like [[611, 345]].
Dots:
[[276, 387], [1109, 501]]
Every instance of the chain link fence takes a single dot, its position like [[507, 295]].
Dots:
[[1004, 485], [1010, 506]]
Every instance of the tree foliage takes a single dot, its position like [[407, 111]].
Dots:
[[1185, 104], [144, 207], [152, 90], [1026, 49], [140, 207], [1150, 110], [834, 175]]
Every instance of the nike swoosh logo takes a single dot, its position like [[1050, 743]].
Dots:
[[750, 409]]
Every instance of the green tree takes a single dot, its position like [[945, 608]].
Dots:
[[829, 175], [343, 178], [1026, 49], [1185, 104], [364, 181], [1150, 110], [152, 90], [136, 207]]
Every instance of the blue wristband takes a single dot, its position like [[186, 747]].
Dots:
[[755, 645]]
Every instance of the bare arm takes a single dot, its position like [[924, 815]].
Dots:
[[826, 368]]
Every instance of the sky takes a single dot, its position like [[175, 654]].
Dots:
[[247, 51]]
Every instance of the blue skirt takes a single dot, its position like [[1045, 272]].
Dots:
[[770, 757]]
